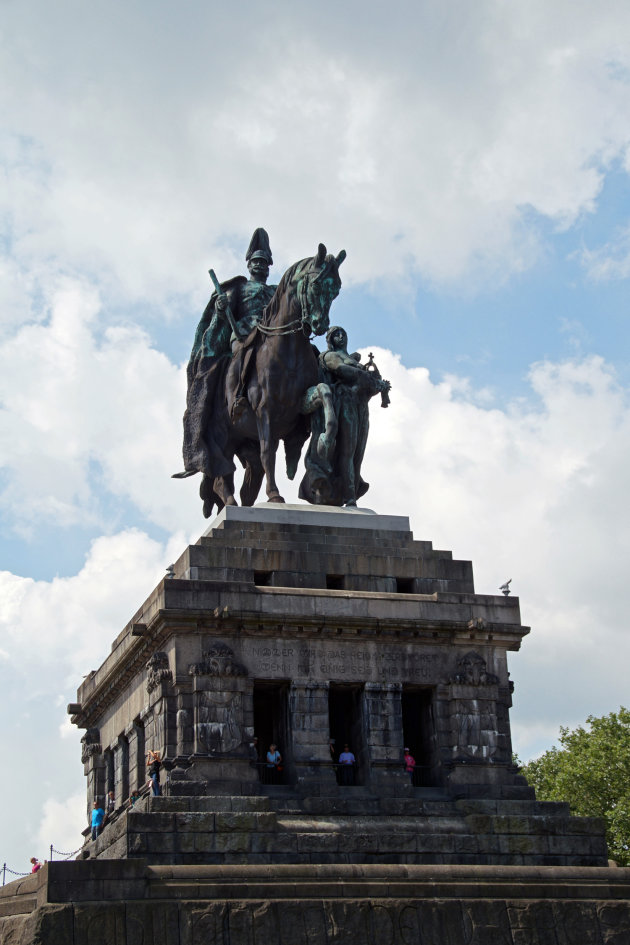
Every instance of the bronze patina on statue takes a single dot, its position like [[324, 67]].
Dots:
[[254, 378], [337, 480]]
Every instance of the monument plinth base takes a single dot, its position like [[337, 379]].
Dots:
[[125, 903]]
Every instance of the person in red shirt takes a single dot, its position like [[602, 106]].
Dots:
[[410, 764]]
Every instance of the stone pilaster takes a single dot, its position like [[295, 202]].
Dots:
[[121, 770], [475, 747], [308, 713], [93, 767], [108, 757], [184, 724], [137, 770], [383, 717], [222, 717], [160, 721]]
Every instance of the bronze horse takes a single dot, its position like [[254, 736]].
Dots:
[[271, 385]]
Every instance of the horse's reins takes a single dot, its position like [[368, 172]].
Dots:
[[297, 324]]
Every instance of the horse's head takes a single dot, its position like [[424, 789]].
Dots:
[[318, 286]]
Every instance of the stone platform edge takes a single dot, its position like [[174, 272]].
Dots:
[[322, 516], [127, 902], [106, 880]]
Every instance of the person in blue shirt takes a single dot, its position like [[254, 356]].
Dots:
[[274, 764], [347, 762], [97, 820]]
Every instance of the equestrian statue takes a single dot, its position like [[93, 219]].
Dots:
[[255, 378]]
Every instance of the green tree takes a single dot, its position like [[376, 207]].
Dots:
[[591, 770]]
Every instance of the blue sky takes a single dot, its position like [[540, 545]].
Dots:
[[473, 160]]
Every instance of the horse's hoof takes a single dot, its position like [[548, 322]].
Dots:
[[231, 500], [275, 497]]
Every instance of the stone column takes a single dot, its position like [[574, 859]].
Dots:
[[222, 717], [309, 730], [121, 770], [108, 756], [134, 734], [383, 717], [160, 721], [93, 768], [184, 721], [474, 752]]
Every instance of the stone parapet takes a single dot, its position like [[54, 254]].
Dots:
[[125, 903]]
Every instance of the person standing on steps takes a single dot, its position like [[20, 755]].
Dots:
[[154, 763], [347, 762], [274, 764], [98, 815]]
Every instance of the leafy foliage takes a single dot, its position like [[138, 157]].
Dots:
[[591, 770]]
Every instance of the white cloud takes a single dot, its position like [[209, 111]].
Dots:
[[61, 825], [67, 624], [611, 261], [535, 492], [87, 411], [424, 141]]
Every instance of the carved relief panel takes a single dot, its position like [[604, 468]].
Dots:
[[219, 694]]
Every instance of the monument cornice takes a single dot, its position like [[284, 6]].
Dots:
[[168, 623]]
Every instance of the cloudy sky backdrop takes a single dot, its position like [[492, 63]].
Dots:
[[474, 161]]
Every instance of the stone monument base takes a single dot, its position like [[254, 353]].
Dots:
[[352, 827], [132, 903]]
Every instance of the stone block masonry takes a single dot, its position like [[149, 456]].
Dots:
[[128, 903]]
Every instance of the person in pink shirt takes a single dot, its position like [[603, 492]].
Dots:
[[410, 764], [36, 865]]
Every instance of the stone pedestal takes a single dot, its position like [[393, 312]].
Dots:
[[298, 625]]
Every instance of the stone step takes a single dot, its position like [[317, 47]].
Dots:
[[402, 881], [17, 905], [358, 801]]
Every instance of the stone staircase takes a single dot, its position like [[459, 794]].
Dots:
[[350, 827]]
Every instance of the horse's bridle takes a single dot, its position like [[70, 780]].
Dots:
[[298, 324]]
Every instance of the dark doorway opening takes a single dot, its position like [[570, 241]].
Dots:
[[271, 727], [335, 582], [139, 778], [405, 585], [109, 772], [345, 714], [263, 578], [122, 771], [419, 735]]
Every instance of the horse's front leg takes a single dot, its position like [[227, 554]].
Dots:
[[268, 450], [224, 488], [321, 396]]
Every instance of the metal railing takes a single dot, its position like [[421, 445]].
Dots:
[[52, 849]]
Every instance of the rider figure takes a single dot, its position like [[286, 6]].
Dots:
[[246, 299]]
